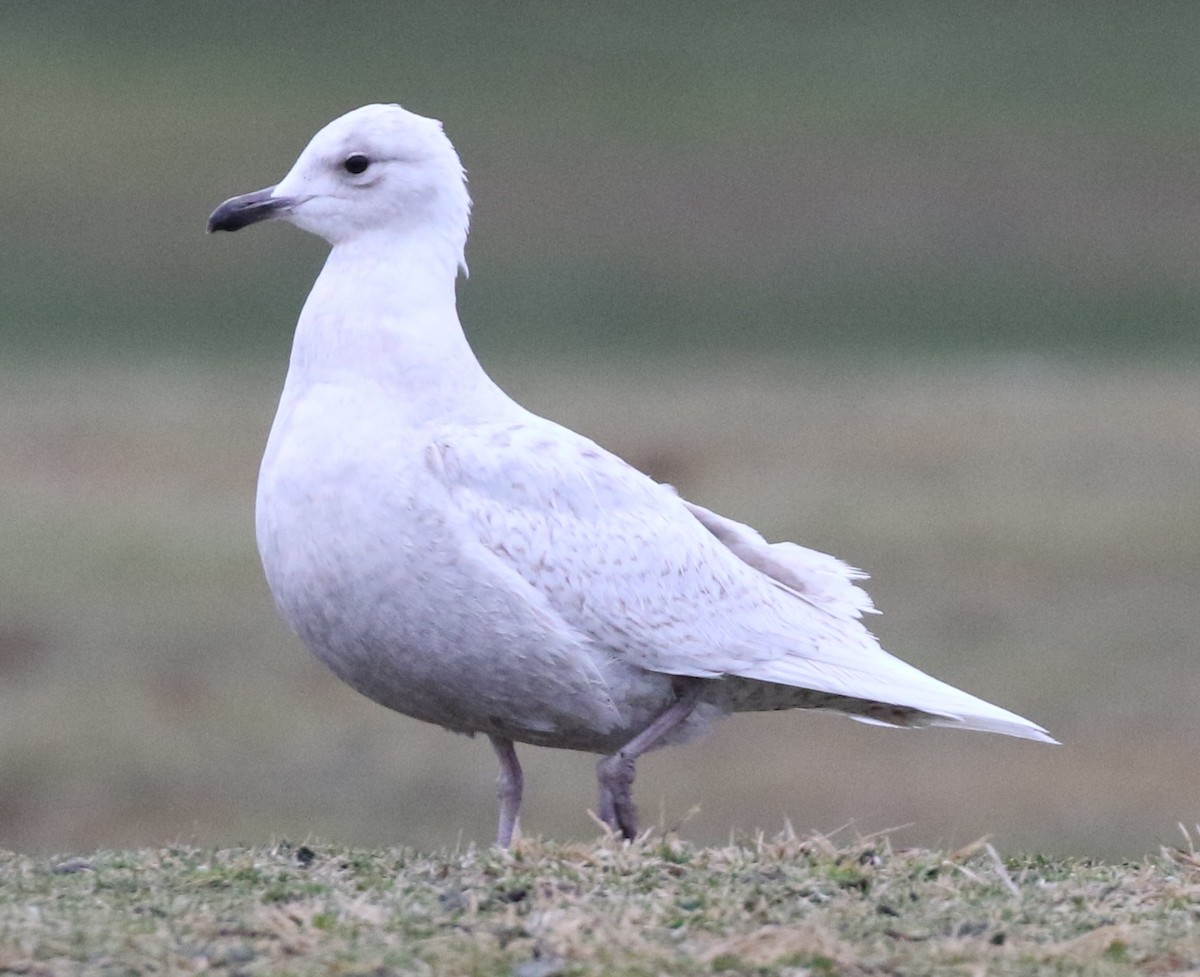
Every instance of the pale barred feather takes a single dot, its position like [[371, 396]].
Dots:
[[673, 588], [817, 577]]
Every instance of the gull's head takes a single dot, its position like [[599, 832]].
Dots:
[[379, 168]]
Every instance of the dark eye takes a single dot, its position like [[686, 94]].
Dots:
[[356, 163]]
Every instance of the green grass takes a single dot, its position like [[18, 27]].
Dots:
[[780, 906]]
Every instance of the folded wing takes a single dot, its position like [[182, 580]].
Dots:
[[672, 587]]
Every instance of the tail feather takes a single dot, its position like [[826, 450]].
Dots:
[[856, 675], [895, 693], [1016, 726]]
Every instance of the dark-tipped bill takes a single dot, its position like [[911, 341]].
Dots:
[[249, 208]]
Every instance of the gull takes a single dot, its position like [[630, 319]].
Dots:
[[464, 561]]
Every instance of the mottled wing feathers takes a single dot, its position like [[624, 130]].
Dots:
[[672, 587], [823, 580]]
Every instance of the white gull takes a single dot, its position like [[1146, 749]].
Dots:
[[463, 561]]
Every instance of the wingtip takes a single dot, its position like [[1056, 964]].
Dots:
[[1020, 728]]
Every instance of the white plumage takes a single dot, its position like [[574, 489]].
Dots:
[[461, 560]]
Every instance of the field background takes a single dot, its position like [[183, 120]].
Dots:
[[912, 283]]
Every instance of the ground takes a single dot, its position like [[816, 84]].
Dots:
[[783, 906]]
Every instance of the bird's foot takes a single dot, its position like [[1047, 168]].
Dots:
[[615, 772], [616, 808]]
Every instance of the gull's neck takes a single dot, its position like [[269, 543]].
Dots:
[[383, 312]]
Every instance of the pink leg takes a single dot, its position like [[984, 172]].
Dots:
[[512, 782], [615, 772]]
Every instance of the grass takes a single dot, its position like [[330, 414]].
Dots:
[[782, 906]]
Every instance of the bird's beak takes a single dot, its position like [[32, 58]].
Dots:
[[249, 208]]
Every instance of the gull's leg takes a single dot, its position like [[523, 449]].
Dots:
[[615, 772], [512, 782]]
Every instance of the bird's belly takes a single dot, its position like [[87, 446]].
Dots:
[[381, 587]]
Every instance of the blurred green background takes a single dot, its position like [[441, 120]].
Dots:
[[914, 283]]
